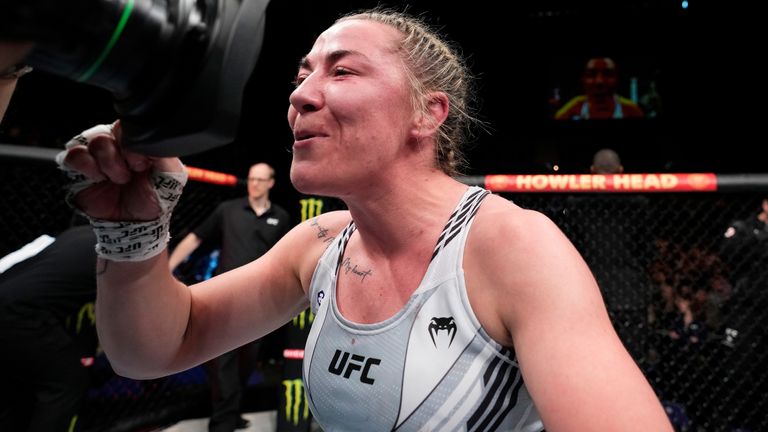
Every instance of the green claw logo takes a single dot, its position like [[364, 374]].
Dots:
[[303, 319], [296, 408], [311, 207]]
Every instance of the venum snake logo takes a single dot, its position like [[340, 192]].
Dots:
[[444, 323]]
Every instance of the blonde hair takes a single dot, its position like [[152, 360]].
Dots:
[[432, 64]]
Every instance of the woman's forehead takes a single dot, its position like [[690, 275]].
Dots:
[[360, 35]]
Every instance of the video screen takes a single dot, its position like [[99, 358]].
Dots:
[[605, 86]]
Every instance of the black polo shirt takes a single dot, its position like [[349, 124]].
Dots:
[[242, 235]]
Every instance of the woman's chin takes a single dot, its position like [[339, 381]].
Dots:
[[306, 182]]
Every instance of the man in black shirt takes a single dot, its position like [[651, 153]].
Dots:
[[47, 334], [246, 228]]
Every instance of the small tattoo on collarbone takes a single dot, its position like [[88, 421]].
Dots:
[[348, 268], [322, 232]]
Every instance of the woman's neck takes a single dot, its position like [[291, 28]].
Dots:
[[400, 216]]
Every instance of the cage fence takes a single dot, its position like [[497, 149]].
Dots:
[[682, 274]]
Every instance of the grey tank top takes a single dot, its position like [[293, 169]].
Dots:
[[430, 367]]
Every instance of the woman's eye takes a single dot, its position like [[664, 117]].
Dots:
[[299, 79], [341, 71]]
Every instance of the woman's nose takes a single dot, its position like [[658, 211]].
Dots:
[[307, 97]]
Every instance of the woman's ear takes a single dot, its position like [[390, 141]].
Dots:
[[428, 121]]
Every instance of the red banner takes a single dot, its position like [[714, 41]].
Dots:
[[293, 354], [685, 182], [214, 177]]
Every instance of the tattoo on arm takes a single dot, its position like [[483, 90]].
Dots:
[[348, 267], [101, 266], [322, 232]]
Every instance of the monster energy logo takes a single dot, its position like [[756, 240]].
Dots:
[[294, 399], [303, 319], [87, 313], [72, 424], [311, 207]]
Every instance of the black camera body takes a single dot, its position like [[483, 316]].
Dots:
[[176, 68]]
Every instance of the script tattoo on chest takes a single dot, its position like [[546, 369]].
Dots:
[[348, 268], [322, 232]]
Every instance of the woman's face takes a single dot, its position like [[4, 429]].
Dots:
[[600, 78], [351, 113]]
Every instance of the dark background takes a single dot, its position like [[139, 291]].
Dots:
[[703, 59]]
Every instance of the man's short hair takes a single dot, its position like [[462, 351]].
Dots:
[[606, 161]]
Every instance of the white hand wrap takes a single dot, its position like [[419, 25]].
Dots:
[[79, 181], [138, 241], [128, 240]]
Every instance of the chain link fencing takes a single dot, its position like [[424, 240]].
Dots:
[[683, 276]]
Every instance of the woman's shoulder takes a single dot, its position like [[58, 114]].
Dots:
[[498, 215], [321, 230], [502, 229], [299, 251], [334, 221], [509, 254]]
